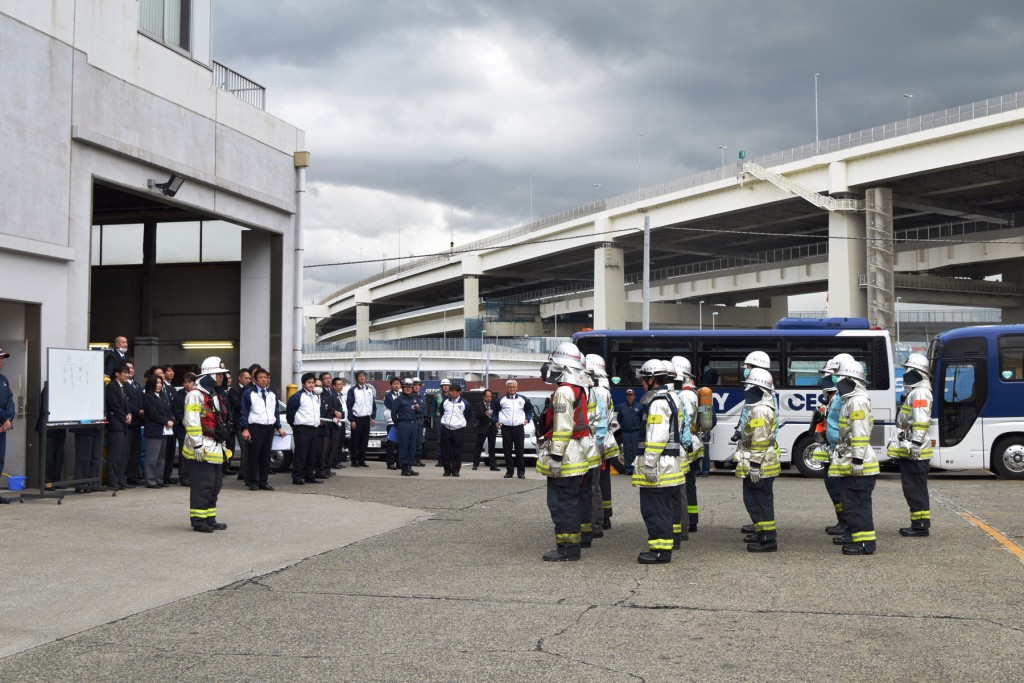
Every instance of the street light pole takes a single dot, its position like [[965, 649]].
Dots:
[[817, 144], [714, 317], [909, 97], [722, 148], [487, 365], [700, 315]]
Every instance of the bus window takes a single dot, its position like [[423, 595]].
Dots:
[[958, 384], [627, 354], [721, 360], [960, 404], [806, 356], [1011, 358]]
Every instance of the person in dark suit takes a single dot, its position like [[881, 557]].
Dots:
[[338, 454], [235, 405], [133, 394], [158, 417], [119, 418], [178, 411], [485, 431], [331, 412], [117, 356]]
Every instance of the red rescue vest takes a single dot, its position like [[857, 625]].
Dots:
[[581, 426]]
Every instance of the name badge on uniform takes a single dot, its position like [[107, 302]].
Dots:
[[561, 409], [757, 422], [654, 419]]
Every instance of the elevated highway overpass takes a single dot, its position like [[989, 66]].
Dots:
[[930, 209]]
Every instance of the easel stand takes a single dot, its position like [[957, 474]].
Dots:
[[99, 425]]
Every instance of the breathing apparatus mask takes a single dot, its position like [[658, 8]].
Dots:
[[752, 394], [911, 377], [845, 385], [827, 382]]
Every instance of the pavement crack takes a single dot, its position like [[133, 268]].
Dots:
[[542, 647], [634, 590]]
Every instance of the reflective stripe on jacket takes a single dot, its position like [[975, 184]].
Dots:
[[570, 441], [855, 425], [914, 419], [199, 425], [757, 443], [661, 447]]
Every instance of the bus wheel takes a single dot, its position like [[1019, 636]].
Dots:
[[808, 466], [1008, 458]]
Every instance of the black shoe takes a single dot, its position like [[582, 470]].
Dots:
[[152, 486], [203, 528], [362, 463], [857, 549], [522, 476], [475, 467], [651, 557], [911, 531], [265, 487], [392, 467], [217, 526], [253, 487], [4, 501], [127, 485], [172, 480], [559, 556], [597, 533], [692, 528], [437, 464], [508, 475], [314, 480], [676, 545], [837, 529], [842, 540], [340, 466], [763, 547], [586, 544], [455, 474], [184, 482], [750, 538], [298, 482], [447, 474], [747, 529], [606, 524], [418, 463], [495, 469]]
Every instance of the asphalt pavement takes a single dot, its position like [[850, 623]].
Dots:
[[372, 576]]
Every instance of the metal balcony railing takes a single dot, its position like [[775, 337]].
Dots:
[[527, 345], [238, 85]]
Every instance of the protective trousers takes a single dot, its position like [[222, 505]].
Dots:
[[606, 492], [680, 522], [585, 498], [596, 507], [760, 501], [855, 496], [692, 515], [564, 506], [832, 487], [660, 507], [914, 477], [205, 482]]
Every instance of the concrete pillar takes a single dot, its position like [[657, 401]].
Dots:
[[881, 286], [256, 304], [363, 301], [609, 287], [470, 296], [146, 327], [846, 263], [776, 307], [1014, 315]]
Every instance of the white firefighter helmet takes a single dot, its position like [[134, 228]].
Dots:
[[759, 377], [682, 367], [212, 366], [595, 365], [668, 369], [651, 368], [916, 361], [567, 355], [843, 357], [851, 369], [831, 365], [446, 382], [759, 359]]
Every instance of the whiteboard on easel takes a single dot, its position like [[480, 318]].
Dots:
[[75, 381]]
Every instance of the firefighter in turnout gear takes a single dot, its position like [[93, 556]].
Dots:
[[688, 393], [832, 405], [604, 441], [659, 472], [911, 445], [207, 429], [757, 459], [565, 446], [853, 460]]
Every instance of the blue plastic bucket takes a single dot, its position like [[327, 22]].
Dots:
[[16, 483]]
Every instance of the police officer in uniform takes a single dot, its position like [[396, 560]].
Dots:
[[853, 460], [407, 412], [659, 470], [207, 429], [912, 447], [565, 446]]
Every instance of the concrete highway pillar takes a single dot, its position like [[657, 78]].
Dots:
[[471, 296], [846, 263], [777, 307], [1014, 315], [363, 301], [609, 287], [881, 285]]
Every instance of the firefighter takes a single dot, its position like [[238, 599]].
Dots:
[[659, 472], [829, 437], [604, 441], [757, 460], [565, 445], [688, 394], [912, 447], [207, 429], [853, 460], [754, 359]]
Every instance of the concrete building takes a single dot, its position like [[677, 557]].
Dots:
[[144, 192]]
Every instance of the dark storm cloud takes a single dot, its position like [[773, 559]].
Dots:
[[457, 104]]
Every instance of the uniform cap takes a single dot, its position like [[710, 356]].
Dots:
[[417, 380], [630, 391]]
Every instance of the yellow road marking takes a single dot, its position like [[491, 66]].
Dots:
[[1003, 540]]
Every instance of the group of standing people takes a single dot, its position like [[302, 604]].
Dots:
[[575, 444]]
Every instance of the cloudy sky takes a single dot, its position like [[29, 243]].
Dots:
[[434, 117]]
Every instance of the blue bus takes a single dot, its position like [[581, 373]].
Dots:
[[797, 357], [978, 413]]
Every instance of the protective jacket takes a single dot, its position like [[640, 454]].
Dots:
[[604, 434], [688, 394], [912, 423], [568, 441], [665, 420], [757, 441], [855, 425], [205, 415]]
